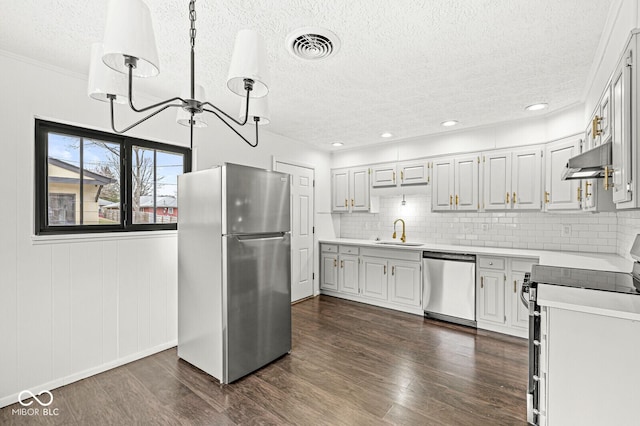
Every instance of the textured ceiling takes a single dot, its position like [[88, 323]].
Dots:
[[403, 66]]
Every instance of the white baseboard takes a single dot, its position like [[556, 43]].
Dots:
[[56, 383]]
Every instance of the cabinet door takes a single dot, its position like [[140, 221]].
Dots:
[[519, 314], [604, 126], [383, 175], [359, 189], [497, 180], [340, 188], [373, 278], [621, 130], [491, 296], [413, 173], [442, 189], [526, 179], [329, 279], [466, 183], [561, 194], [348, 275], [404, 283]]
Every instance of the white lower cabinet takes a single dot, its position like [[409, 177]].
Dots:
[[348, 274], [404, 283], [498, 294], [374, 277], [379, 276], [329, 262]]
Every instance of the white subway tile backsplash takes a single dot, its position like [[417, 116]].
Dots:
[[599, 232]]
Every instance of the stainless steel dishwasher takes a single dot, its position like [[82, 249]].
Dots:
[[449, 287]]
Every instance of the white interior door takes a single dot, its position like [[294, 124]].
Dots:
[[302, 200]]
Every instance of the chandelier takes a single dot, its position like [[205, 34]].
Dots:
[[129, 48]]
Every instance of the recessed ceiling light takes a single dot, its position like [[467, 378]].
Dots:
[[449, 123], [536, 107], [337, 144], [386, 135]]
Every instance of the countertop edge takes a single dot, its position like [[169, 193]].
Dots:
[[583, 260]]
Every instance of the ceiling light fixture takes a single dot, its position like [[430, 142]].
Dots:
[[386, 135], [337, 144], [449, 123], [536, 107], [130, 48]]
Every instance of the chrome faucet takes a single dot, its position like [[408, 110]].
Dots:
[[403, 238]]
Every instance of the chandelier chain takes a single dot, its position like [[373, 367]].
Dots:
[[192, 18]]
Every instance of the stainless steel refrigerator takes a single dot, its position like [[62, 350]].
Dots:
[[234, 269]]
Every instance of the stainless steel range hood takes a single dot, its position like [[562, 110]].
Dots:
[[593, 164]]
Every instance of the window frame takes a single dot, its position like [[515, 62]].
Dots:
[[126, 143]]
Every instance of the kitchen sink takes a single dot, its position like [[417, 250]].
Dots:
[[396, 243]]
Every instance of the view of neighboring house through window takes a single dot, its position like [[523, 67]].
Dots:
[[81, 174], [89, 181]]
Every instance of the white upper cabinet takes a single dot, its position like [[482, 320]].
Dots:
[[512, 179], [340, 190], [414, 172], [526, 178], [600, 123], [497, 180], [405, 173], [455, 183], [466, 182], [383, 175], [621, 131], [359, 188], [561, 194], [442, 189], [350, 189]]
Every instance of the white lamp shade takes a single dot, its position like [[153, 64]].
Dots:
[[249, 60], [129, 31], [103, 80], [183, 117], [258, 107]]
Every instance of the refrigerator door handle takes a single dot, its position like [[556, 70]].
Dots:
[[260, 237]]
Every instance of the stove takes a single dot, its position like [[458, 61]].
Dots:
[[617, 282]]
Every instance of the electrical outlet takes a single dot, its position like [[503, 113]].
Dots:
[[566, 231], [485, 226]]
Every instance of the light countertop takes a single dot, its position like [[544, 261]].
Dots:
[[617, 305], [599, 261]]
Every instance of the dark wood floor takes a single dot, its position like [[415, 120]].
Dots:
[[350, 364]]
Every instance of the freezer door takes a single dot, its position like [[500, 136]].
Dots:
[[257, 200], [258, 301]]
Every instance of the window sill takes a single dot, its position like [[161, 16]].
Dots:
[[108, 236]]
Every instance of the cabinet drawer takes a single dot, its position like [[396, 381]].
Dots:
[[491, 263], [523, 265], [349, 249], [330, 248]]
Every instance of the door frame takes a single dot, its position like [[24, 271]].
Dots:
[[315, 275]]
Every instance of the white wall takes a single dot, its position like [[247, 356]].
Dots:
[[518, 230], [72, 307]]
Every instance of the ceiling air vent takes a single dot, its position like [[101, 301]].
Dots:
[[311, 43]]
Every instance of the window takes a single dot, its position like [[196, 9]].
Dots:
[[90, 181]]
